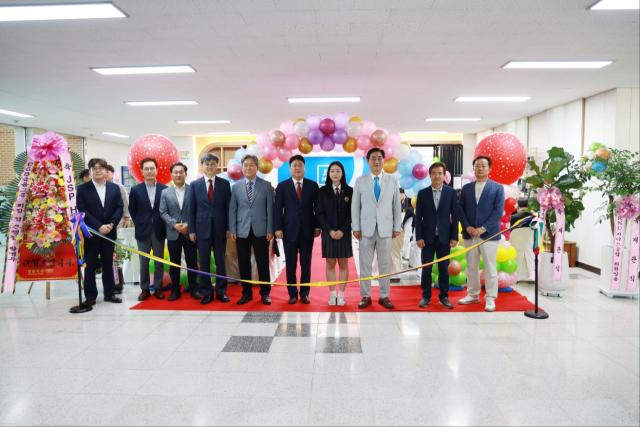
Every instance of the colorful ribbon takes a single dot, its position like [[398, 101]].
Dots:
[[80, 230]]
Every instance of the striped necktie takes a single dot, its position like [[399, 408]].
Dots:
[[249, 190]]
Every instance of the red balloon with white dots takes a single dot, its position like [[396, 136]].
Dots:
[[508, 156], [157, 147]]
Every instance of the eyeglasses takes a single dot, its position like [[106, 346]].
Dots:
[[148, 169], [98, 169], [376, 159], [178, 173], [479, 166], [210, 165]]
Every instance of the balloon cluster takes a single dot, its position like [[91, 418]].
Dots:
[[506, 265], [157, 147], [508, 157], [596, 158], [457, 266]]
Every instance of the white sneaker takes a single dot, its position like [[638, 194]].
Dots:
[[469, 299], [332, 300], [341, 301], [490, 305]]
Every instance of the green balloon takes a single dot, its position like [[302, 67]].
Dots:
[[459, 256], [152, 267], [481, 266], [510, 266], [458, 280], [499, 266], [463, 264], [184, 281], [166, 266], [436, 159], [593, 147], [436, 279]]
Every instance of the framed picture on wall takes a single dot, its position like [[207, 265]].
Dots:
[[127, 180]]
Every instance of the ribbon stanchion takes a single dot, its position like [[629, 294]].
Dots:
[[536, 225], [79, 231]]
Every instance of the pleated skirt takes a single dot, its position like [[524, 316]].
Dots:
[[336, 248]]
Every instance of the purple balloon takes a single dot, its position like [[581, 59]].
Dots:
[[326, 116], [315, 136], [327, 144], [327, 126], [339, 136], [420, 171], [338, 149], [313, 121], [341, 119], [316, 148]]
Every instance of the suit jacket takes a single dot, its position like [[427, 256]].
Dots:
[[204, 217], [171, 212], [334, 213], [487, 213], [141, 213], [257, 214], [446, 217], [386, 213], [95, 214], [292, 215]]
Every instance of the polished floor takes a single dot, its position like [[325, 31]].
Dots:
[[115, 366]]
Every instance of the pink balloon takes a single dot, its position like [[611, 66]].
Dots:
[[295, 152], [276, 163], [327, 143], [338, 148], [514, 278], [327, 126], [471, 175], [284, 154], [263, 139], [269, 152], [292, 141], [388, 151], [363, 142], [420, 171], [482, 277], [316, 148], [359, 153], [234, 172], [504, 281], [341, 119], [368, 127], [393, 139], [286, 127], [447, 177], [383, 129]]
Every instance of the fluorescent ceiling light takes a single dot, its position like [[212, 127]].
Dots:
[[492, 98], [154, 69], [196, 122], [615, 5], [452, 119], [45, 12], [228, 133], [557, 64], [342, 99], [151, 103], [424, 133], [119, 135], [13, 113]]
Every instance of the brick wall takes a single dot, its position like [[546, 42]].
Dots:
[[75, 143], [7, 154]]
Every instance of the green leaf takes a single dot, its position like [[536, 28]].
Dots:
[[568, 200], [547, 176], [555, 167], [534, 180], [557, 152], [19, 162], [78, 164], [569, 181], [534, 166]]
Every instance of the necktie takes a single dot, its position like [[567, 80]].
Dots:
[[210, 192], [337, 192], [299, 191], [376, 188], [249, 191]]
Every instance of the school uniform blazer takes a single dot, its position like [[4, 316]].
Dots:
[[446, 217], [292, 215], [204, 217], [334, 213], [485, 214], [143, 215], [95, 215]]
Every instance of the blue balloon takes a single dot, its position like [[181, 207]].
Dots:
[[407, 181], [414, 157], [599, 166], [224, 176], [240, 153], [405, 167], [420, 185], [409, 192], [233, 162]]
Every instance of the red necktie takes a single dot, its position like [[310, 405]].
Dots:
[[210, 192], [337, 192], [299, 192]]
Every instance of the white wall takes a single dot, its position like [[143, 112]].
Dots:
[[187, 147], [468, 147], [114, 153]]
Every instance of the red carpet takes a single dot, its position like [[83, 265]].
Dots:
[[405, 298]]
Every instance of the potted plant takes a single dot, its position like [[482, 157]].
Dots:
[[120, 256], [558, 183]]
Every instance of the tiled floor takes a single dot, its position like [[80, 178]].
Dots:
[[115, 366]]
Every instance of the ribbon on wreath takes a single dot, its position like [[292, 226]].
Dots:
[[627, 208], [551, 198]]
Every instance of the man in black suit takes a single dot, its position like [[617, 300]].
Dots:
[[144, 207], [102, 205], [436, 219], [209, 199], [295, 223]]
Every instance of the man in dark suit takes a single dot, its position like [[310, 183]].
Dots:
[[251, 225], [144, 207], [295, 223], [174, 210], [436, 231], [102, 205], [481, 206], [209, 199]]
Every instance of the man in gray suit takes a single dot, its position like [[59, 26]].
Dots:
[[376, 216], [251, 224], [174, 210]]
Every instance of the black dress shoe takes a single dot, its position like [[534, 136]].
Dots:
[[293, 300], [206, 300], [174, 296], [305, 299], [223, 298], [266, 300], [446, 303], [89, 302], [424, 302], [195, 294], [245, 299], [114, 300]]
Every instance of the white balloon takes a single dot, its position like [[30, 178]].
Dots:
[[301, 129], [354, 129], [255, 150], [504, 244], [401, 152]]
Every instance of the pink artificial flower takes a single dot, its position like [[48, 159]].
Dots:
[[57, 237], [47, 147], [628, 207]]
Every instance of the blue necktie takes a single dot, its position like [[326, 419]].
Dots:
[[376, 188]]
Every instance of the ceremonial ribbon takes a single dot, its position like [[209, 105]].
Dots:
[[627, 208], [256, 282], [551, 198], [80, 230]]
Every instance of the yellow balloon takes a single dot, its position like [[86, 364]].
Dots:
[[166, 253], [408, 145], [460, 239], [414, 200], [391, 165], [299, 119], [356, 119], [305, 146], [265, 166], [512, 252], [503, 254], [459, 228], [350, 146], [251, 143]]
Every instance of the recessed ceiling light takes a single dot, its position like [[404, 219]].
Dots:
[[196, 122], [615, 5], [339, 99], [154, 69], [452, 119], [151, 103], [228, 133], [45, 12], [557, 64], [13, 113], [119, 135], [492, 98], [424, 133]]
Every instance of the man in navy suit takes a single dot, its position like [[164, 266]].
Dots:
[[144, 207], [209, 199], [481, 206], [436, 231], [102, 205], [294, 219]]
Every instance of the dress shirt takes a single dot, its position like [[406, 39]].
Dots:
[[180, 194], [102, 190], [338, 188], [436, 200], [151, 192], [373, 178], [295, 184], [213, 182]]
